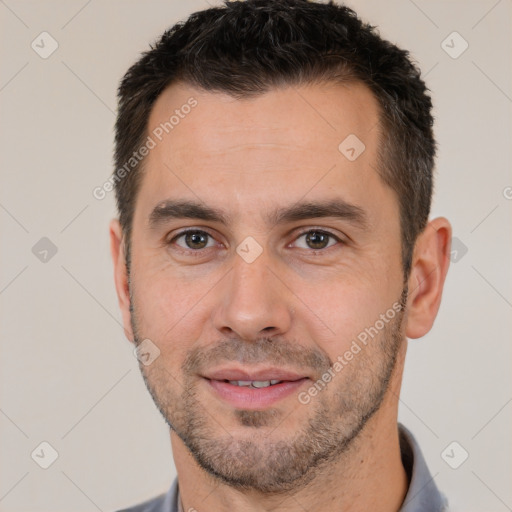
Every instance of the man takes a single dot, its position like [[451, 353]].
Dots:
[[273, 254]]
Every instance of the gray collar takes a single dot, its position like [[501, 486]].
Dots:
[[423, 494]]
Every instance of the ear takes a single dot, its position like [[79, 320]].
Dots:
[[430, 262], [121, 275]]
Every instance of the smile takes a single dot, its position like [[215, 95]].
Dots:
[[255, 383], [254, 394]]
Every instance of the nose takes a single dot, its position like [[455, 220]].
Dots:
[[254, 302]]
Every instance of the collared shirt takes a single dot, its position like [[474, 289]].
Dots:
[[422, 495]]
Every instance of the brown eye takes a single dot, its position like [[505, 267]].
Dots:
[[194, 239], [317, 240]]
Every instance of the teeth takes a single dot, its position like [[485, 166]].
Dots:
[[254, 383], [261, 383], [241, 382]]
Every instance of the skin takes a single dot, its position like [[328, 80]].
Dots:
[[296, 306]]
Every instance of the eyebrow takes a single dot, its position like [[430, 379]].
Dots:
[[186, 209]]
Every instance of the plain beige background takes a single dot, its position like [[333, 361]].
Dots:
[[68, 375]]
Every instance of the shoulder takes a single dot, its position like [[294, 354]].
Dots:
[[152, 505], [163, 503]]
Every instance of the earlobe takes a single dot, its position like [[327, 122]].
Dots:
[[121, 275], [429, 267]]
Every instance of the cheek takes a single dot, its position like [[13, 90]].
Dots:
[[345, 309], [169, 310]]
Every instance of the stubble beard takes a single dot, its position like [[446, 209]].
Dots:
[[262, 461]]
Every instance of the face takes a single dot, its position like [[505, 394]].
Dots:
[[263, 254]]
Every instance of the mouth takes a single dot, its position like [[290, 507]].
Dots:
[[256, 384], [253, 390]]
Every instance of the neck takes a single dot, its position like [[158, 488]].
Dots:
[[368, 476]]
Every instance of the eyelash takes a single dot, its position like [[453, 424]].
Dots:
[[198, 252]]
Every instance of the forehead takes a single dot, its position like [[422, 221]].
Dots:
[[289, 115], [318, 140]]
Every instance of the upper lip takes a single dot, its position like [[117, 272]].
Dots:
[[258, 375]]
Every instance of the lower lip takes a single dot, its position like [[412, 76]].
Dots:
[[244, 397]]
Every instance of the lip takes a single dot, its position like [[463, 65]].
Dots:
[[261, 374], [242, 397]]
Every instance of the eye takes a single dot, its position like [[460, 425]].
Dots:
[[194, 239], [317, 239]]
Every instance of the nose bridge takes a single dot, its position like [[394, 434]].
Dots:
[[254, 302]]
